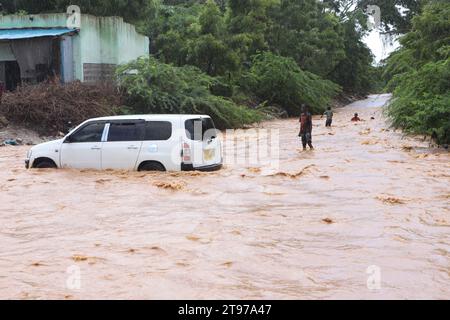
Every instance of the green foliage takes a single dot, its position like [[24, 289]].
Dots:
[[353, 72], [154, 87], [130, 10], [422, 103], [419, 73], [303, 31], [230, 41], [280, 81]]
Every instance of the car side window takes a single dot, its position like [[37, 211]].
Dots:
[[127, 131], [158, 130], [90, 133]]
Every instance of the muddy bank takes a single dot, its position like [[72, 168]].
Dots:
[[26, 136], [367, 196]]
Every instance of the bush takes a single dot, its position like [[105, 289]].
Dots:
[[419, 73], [154, 87], [422, 103], [48, 108], [280, 81]]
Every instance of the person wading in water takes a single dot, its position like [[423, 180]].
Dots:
[[356, 118], [329, 114], [306, 127]]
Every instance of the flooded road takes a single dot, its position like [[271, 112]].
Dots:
[[366, 215]]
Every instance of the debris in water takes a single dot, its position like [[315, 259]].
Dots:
[[79, 258], [400, 239], [193, 238], [158, 249], [369, 142], [407, 148], [365, 131], [182, 264], [228, 264], [254, 170], [390, 200], [102, 181], [325, 177], [189, 174], [328, 221], [273, 193], [293, 175], [175, 186]]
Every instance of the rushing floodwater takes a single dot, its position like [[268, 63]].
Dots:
[[368, 197]]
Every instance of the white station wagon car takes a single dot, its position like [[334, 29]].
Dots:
[[139, 142]]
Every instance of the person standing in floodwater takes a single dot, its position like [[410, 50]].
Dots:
[[306, 127], [329, 114]]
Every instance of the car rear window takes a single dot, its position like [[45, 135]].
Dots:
[[127, 131], [199, 129], [157, 130]]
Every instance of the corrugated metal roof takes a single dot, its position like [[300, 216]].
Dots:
[[14, 34]]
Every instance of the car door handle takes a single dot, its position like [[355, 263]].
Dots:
[[96, 148], [132, 148]]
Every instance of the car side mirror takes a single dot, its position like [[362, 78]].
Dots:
[[68, 139]]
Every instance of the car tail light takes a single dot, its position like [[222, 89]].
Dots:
[[186, 153]]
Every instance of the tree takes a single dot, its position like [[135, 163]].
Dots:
[[304, 31], [419, 73], [280, 81], [155, 87], [353, 72]]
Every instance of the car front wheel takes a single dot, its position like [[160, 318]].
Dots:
[[152, 166], [45, 165]]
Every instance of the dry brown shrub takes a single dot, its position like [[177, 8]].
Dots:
[[49, 108]]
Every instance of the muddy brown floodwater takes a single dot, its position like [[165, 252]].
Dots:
[[368, 218]]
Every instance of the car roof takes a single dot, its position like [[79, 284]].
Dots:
[[149, 117]]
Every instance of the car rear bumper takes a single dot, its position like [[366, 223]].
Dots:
[[210, 168]]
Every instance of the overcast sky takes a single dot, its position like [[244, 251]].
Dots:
[[375, 43]]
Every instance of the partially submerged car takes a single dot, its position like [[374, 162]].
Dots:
[[139, 142]]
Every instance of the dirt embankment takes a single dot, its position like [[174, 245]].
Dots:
[[33, 113], [344, 99]]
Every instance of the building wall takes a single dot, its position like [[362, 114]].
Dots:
[[102, 42], [6, 53], [51, 20], [106, 42]]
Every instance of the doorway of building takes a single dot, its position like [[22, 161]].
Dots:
[[12, 75]]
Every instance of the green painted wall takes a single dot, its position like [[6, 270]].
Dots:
[[101, 40]]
